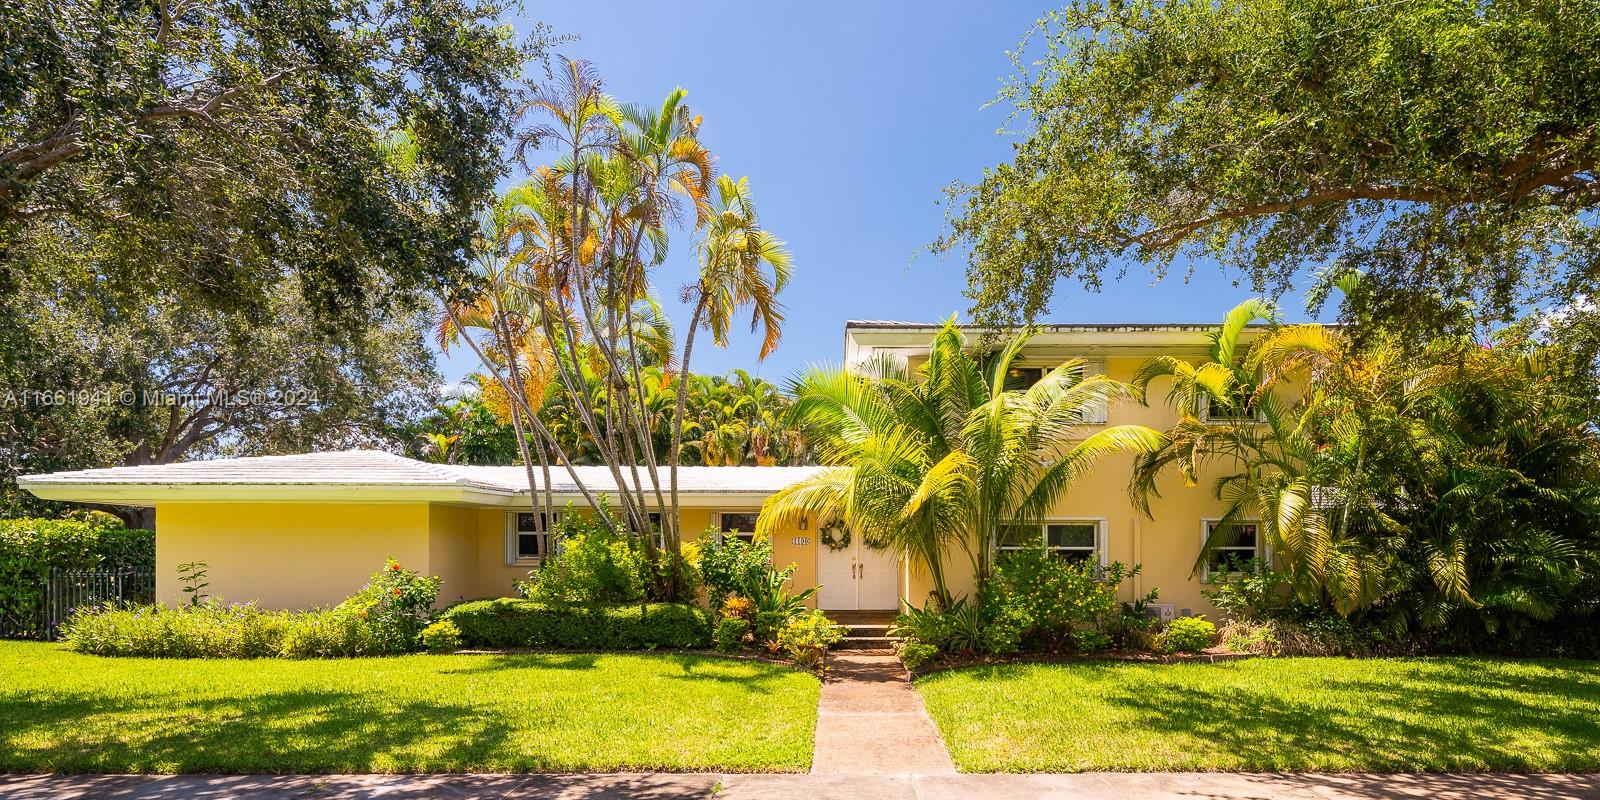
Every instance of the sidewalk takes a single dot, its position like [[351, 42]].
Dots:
[[1085, 786], [871, 721]]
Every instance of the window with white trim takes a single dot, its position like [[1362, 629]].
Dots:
[[1071, 539], [1241, 543], [739, 523], [1021, 378], [1240, 412], [530, 537]]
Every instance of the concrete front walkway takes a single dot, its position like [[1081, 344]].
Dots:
[[870, 721], [1086, 786]]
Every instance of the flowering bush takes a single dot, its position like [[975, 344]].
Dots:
[[395, 604], [1054, 604]]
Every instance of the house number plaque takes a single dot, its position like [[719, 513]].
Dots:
[[800, 541]]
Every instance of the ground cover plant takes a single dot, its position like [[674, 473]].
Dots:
[[1323, 714], [68, 712]]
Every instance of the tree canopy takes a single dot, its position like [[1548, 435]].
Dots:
[[216, 147], [1444, 148]]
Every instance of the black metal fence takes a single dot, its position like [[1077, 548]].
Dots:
[[73, 589]]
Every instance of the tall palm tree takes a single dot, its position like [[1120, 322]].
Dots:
[[949, 457], [741, 265]]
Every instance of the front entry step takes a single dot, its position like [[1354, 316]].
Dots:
[[867, 630]]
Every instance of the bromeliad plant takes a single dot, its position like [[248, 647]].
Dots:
[[942, 460]]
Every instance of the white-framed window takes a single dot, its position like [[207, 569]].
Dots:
[[1080, 539], [1231, 416], [741, 524], [1023, 377], [1242, 544], [530, 537], [1019, 378]]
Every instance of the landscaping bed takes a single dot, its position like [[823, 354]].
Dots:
[[582, 712], [1283, 714]]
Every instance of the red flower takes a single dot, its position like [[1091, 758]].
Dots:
[[394, 567], [397, 591]]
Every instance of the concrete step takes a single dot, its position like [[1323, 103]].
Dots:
[[862, 617], [864, 629], [865, 643]]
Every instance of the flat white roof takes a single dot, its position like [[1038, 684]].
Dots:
[[366, 476]]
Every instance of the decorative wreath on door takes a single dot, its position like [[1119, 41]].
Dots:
[[834, 534]]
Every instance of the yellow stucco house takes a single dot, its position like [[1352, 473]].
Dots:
[[303, 530]]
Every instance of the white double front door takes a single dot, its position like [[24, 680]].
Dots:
[[857, 578]]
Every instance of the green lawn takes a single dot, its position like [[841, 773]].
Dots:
[[1320, 714], [61, 711]]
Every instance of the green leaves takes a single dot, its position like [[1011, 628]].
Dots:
[[1444, 147], [943, 459]]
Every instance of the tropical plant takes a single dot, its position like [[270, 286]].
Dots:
[[580, 240], [1443, 490], [946, 459]]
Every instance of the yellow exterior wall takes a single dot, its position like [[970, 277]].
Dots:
[[295, 555], [453, 551], [1166, 544], [286, 555]]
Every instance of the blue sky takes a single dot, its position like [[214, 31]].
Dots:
[[849, 119]]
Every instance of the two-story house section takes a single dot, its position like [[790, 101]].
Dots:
[[1097, 518]]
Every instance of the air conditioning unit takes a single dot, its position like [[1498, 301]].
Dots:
[[1162, 612]]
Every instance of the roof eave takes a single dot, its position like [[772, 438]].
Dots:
[[148, 494]]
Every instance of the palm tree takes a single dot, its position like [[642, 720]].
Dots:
[[741, 265], [950, 457]]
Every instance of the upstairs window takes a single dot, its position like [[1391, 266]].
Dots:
[[1024, 378], [1020, 379]]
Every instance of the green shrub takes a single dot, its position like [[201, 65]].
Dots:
[[807, 637], [731, 566], [1050, 601], [384, 618], [333, 633], [510, 622], [916, 655], [730, 634], [592, 565], [927, 625], [30, 548], [1187, 635], [208, 630], [441, 637]]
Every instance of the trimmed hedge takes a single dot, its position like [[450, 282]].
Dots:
[[29, 548], [510, 622]]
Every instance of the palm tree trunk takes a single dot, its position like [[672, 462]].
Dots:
[[680, 401]]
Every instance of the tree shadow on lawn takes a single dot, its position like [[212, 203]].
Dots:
[[361, 787], [1460, 719], [486, 662], [750, 674], [269, 733]]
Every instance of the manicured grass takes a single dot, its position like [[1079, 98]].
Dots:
[[65, 712], [1315, 714]]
